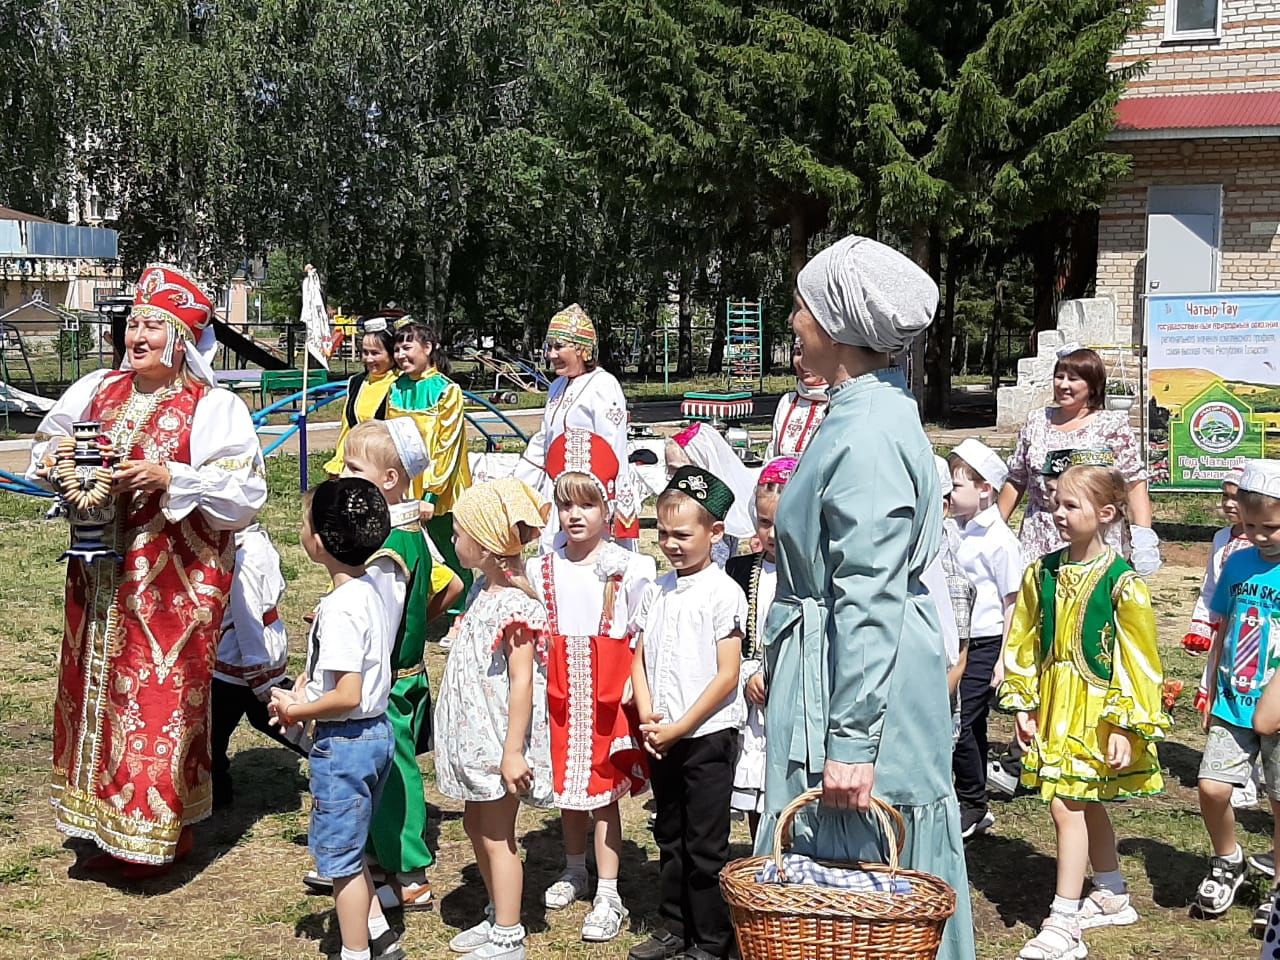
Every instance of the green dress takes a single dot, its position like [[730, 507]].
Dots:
[[856, 670], [397, 836]]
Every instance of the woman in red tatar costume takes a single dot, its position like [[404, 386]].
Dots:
[[131, 735]]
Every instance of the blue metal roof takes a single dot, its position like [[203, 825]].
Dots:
[[31, 238]]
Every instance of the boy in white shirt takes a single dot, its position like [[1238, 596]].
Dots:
[[253, 651], [990, 556], [685, 678], [345, 689]]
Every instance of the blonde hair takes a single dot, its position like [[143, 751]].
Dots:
[[578, 488], [371, 440], [1102, 486], [672, 498], [512, 566]]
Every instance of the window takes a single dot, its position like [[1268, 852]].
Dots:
[[1192, 19]]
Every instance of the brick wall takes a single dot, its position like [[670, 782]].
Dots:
[[1249, 171], [1246, 56]]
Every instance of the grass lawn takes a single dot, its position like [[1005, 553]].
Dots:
[[240, 895]]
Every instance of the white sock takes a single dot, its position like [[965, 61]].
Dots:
[[1065, 906], [355, 954], [1110, 881], [1235, 857], [575, 863], [508, 937], [378, 926], [608, 888]]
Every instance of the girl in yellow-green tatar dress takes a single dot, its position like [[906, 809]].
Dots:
[[1083, 674], [425, 393], [367, 391]]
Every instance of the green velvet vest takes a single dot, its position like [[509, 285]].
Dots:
[[1094, 633]]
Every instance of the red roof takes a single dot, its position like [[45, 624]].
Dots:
[[8, 214], [1199, 111]]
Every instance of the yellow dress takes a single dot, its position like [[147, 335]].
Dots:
[[370, 397], [1077, 712], [436, 405]]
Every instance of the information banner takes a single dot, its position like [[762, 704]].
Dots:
[[1213, 379]]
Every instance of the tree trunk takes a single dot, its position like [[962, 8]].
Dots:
[[997, 314], [938, 348], [684, 307], [920, 252], [719, 323], [799, 241]]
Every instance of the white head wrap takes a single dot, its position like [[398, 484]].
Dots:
[[983, 459], [705, 448], [1234, 474], [944, 474], [1261, 476], [866, 294], [409, 445]]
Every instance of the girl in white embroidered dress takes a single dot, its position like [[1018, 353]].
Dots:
[[593, 591]]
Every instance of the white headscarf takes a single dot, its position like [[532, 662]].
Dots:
[[866, 294], [710, 451]]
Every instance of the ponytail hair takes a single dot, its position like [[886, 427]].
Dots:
[[1102, 486], [425, 334], [513, 571]]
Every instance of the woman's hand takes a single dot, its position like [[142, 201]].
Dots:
[[138, 476], [1119, 749], [754, 690], [848, 786], [515, 772], [1025, 726]]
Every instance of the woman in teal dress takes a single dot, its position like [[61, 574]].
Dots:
[[857, 686]]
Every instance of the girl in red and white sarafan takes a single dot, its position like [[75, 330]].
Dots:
[[800, 412], [593, 591]]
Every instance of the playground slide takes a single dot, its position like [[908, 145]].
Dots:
[[248, 349]]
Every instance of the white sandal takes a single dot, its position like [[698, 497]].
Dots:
[[1058, 939], [570, 887], [604, 922], [1102, 909]]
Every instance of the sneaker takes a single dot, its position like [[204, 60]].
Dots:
[[473, 938], [604, 922], [1246, 797], [1103, 909], [318, 883], [1262, 916], [1264, 863], [974, 820], [1003, 774], [510, 948], [1217, 891], [1058, 939], [663, 945], [386, 946], [570, 887]]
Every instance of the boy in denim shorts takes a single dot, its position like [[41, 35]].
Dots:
[[344, 690], [1242, 658]]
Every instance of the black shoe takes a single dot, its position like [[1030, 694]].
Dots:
[[975, 820], [386, 946], [1262, 916], [695, 953], [663, 945], [1264, 863]]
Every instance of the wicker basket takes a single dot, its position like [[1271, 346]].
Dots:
[[802, 922]]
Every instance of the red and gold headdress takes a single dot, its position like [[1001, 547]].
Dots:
[[164, 292], [581, 451], [572, 326]]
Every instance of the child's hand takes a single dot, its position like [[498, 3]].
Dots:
[[997, 675], [426, 510], [659, 737], [754, 690], [1119, 749], [515, 772], [1025, 727], [281, 700]]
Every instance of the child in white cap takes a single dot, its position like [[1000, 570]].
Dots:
[[1242, 659], [989, 554]]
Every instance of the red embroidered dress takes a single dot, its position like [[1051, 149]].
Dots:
[[131, 760], [596, 758]]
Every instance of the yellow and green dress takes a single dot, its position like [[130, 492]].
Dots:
[[436, 405], [366, 400], [1082, 653], [397, 835]]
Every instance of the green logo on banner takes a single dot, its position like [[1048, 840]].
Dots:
[[1212, 433]]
